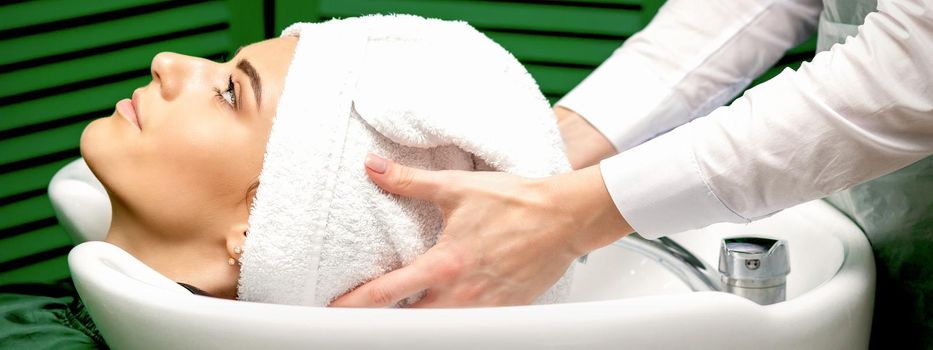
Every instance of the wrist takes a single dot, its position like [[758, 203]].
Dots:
[[590, 219], [584, 143]]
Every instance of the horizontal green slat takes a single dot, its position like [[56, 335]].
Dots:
[[557, 49], [39, 12], [47, 271], [105, 33], [82, 101], [34, 242], [41, 143], [28, 210], [116, 62], [29, 179], [619, 2], [557, 80], [500, 15]]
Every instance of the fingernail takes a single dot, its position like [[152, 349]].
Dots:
[[376, 163]]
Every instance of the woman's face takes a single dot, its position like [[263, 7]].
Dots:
[[185, 162]]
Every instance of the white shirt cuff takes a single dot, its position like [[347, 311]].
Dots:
[[659, 188], [626, 101]]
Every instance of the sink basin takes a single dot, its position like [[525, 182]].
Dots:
[[619, 298], [830, 290], [815, 255]]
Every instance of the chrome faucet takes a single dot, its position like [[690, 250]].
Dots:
[[696, 273], [754, 268]]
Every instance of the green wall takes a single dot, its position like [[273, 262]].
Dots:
[[64, 63]]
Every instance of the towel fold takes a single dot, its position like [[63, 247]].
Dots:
[[424, 92]]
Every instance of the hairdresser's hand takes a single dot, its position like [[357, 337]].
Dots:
[[506, 239], [585, 145]]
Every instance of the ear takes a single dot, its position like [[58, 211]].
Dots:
[[235, 238]]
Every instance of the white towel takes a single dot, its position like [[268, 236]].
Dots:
[[424, 92]]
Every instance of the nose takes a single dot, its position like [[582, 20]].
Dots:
[[169, 71]]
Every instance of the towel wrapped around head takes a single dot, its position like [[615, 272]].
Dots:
[[426, 93]]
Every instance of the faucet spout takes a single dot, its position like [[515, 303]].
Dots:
[[696, 273]]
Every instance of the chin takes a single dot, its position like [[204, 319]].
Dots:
[[92, 146]]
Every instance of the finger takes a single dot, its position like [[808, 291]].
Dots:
[[388, 289], [406, 181], [429, 300]]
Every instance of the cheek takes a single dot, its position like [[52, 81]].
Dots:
[[204, 156]]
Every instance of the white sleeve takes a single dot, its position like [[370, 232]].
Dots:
[[856, 112], [694, 56]]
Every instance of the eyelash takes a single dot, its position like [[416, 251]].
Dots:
[[232, 101]]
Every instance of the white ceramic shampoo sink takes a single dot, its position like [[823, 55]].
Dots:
[[619, 300], [830, 290]]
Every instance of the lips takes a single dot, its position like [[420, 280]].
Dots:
[[127, 109]]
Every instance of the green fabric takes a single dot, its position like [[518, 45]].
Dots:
[[896, 213], [45, 316]]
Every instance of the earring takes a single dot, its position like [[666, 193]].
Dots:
[[231, 261]]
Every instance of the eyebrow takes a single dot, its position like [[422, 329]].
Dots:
[[254, 79]]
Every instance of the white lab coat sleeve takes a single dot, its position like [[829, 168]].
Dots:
[[693, 57], [858, 111]]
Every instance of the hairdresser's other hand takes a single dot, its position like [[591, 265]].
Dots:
[[585, 145], [506, 239]]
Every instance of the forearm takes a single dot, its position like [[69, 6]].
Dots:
[[855, 112], [850, 115], [694, 56]]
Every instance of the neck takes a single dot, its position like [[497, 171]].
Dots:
[[195, 262], [129, 234]]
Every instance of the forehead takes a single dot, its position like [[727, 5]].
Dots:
[[274, 46], [271, 59]]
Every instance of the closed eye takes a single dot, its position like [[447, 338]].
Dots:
[[229, 95]]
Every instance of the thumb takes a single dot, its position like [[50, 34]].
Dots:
[[389, 289], [405, 181]]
